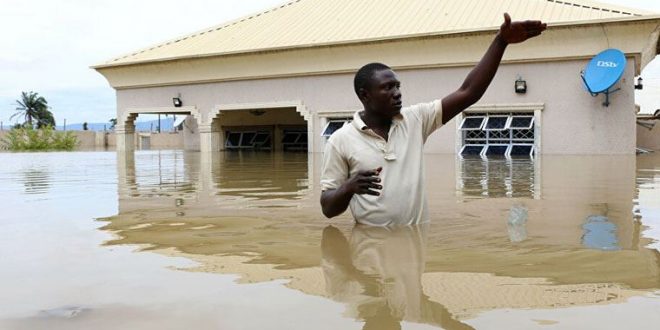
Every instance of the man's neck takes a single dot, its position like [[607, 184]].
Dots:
[[380, 125]]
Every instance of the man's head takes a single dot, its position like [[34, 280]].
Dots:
[[378, 88]]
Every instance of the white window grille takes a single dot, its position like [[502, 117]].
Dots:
[[498, 135], [333, 125]]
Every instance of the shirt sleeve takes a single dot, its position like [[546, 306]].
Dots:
[[430, 115], [334, 170]]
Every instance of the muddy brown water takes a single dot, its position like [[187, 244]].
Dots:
[[173, 239]]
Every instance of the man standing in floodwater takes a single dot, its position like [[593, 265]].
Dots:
[[375, 164]]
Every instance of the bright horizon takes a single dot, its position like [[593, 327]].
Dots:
[[52, 56]]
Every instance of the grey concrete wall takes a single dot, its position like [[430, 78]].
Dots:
[[649, 139], [573, 122]]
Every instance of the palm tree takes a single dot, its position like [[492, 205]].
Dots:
[[45, 118], [32, 106]]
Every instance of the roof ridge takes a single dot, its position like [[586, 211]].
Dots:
[[206, 30], [601, 8]]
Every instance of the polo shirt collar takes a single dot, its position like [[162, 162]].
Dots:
[[359, 124]]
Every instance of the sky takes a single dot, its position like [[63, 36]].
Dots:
[[48, 47]]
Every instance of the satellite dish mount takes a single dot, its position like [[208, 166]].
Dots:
[[603, 72]]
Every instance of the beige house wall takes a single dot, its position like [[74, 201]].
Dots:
[[571, 122], [649, 139]]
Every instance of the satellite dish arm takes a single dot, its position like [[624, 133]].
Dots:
[[586, 84]]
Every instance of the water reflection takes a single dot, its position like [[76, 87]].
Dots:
[[516, 224], [498, 177], [378, 275], [36, 181], [511, 235]]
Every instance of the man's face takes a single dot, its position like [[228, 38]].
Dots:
[[383, 97]]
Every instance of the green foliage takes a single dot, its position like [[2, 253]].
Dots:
[[113, 123], [34, 109], [46, 138]]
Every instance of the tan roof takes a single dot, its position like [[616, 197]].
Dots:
[[305, 23]]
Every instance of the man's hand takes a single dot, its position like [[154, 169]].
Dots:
[[335, 201], [365, 182], [516, 32]]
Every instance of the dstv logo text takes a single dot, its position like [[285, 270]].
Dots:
[[604, 64]]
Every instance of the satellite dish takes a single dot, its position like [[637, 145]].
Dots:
[[603, 71]]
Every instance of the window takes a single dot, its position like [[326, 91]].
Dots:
[[294, 140], [233, 140], [496, 150], [472, 123], [521, 150], [333, 125], [498, 135], [248, 140], [521, 122], [496, 123], [472, 150]]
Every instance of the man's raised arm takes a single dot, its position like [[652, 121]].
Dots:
[[479, 78]]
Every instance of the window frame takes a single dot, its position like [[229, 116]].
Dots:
[[487, 146], [483, 122], [531, 152], [345, 121], [506, 124], [531, 123], [483, 146]]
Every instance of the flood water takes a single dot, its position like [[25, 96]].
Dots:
[[172, 239]]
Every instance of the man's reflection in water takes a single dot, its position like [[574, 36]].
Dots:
[[378, 274]]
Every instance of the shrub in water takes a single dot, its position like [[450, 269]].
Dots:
[[46, 138]]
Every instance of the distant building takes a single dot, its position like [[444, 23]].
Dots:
[[282, 79]]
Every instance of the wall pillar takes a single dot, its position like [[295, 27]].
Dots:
[[125, 135], [209, 139]]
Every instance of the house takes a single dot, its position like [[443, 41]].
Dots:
[[282, 79]]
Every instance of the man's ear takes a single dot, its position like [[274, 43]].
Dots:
[[363, 95]]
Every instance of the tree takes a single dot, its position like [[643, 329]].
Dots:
[[45, 118], [84, 126], [113, 123], [34, 107]]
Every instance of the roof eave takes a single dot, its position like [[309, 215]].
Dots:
[[376, 40]]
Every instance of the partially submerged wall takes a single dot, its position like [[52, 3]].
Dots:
[[649, 138], [91, 140]]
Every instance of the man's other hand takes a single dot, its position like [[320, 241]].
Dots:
[[516, 32]]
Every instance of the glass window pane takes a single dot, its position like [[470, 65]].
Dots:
[[233, 139], [246, 141], [496, 150], [290, 137], [521, 122], [472, 123], [261, 137], [521, 150], [496, 123], [471, 150], [333, 126]]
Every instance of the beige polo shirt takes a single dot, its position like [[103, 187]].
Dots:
[[355, 148]]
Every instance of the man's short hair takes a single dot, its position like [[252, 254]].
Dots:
[[364, 75]]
